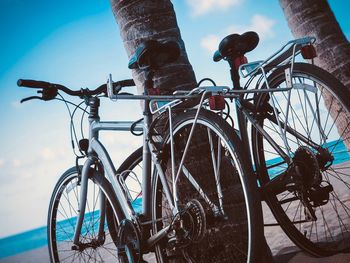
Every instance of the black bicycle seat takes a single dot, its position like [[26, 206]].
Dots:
[[235, 45], [154, 54]]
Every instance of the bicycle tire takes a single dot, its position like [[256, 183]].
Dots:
[[62, 215], [128, 167], [287, 207], [233, 238]]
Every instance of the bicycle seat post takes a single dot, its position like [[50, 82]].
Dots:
[[234, 74], [146, 155]]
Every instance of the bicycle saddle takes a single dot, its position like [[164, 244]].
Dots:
[[154, 54], [235, 45]]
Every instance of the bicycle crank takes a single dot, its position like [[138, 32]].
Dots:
[[190, 227]]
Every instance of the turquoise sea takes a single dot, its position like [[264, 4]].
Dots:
[[37, 238], [337, 148]]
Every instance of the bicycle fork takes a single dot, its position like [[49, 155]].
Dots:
[[88, 171]]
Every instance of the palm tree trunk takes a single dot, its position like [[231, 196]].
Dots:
[[315, 18], [141, 20]]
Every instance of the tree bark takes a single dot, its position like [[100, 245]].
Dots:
[[315, 18], [141, 20]]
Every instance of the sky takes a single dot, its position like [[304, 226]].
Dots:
[[77, 43]]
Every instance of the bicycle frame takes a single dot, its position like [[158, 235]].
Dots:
[[97, 152], [284, 56]]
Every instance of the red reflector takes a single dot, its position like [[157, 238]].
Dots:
[[240, 60], [217, 102], [308, 52]]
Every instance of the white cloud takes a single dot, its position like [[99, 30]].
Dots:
[[261, 24], [2, 162], [16, 162], [47, 154], [210, 42], [202, 7]]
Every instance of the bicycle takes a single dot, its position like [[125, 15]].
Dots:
[[297, 143], [299, 154], [199, 198]]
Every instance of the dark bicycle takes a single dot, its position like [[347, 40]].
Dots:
[[299, 117]]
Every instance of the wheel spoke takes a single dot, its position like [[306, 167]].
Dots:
[[63, 228], [209, 176], [316, 111]]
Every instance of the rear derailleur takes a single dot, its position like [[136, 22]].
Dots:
[[304, 179]]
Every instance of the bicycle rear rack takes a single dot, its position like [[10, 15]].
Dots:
[[283, 56]]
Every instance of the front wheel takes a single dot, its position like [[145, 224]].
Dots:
[[219, 217], [62, 218]]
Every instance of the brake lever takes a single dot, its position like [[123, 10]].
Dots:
[[31, 98], [48, 93]]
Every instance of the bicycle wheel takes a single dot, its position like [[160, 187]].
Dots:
[[62, 217], [312, 206], [130, 174], [219, 217]]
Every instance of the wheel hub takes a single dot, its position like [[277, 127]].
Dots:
[[94, 244], [306, 179], [307, 167]]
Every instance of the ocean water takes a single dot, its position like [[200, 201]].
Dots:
[[337, 148], [38, 238], [22, 242]]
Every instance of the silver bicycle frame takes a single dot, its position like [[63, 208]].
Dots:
[[97, 150]]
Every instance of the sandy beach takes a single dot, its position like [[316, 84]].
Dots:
[[281, 246], [41, 255]]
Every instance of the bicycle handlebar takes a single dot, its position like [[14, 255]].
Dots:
[[33, 83], [125, 83], [83, 92]]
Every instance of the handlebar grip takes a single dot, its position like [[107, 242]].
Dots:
[[33, 83], [126, 83]]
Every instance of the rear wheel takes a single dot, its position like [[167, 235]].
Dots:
[[130, 174], [219, 217], [313, 205], [62, 218]]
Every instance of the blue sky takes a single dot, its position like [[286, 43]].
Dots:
[[77, 43]]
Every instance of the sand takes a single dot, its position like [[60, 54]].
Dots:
[[41, 255], [280, 244]]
